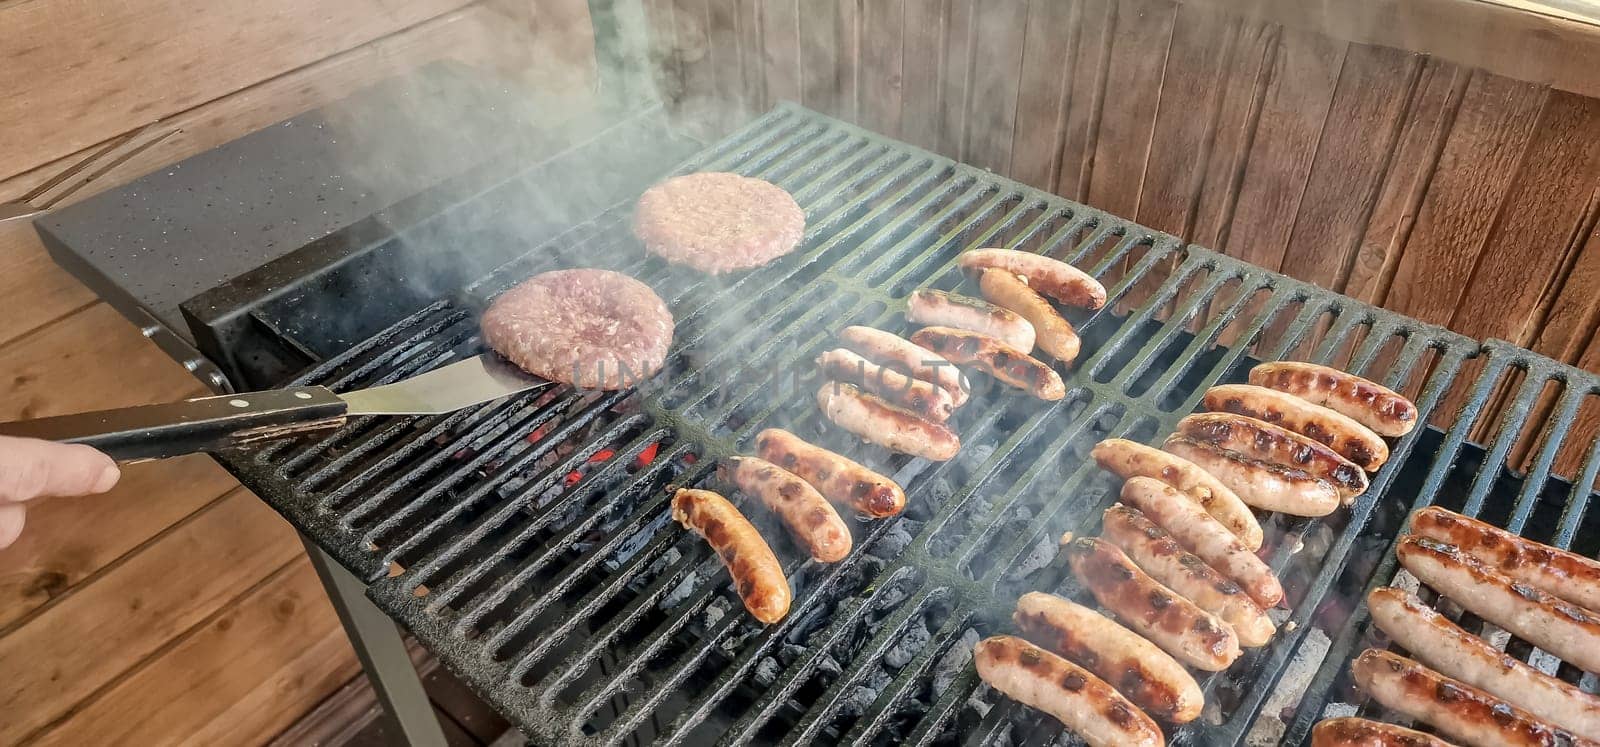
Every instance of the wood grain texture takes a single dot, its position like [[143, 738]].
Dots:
[[1043, 87], [955, 76], [780, 39], [996, 74], [1475, 170], [1133, 88], [823, 40], [239, 677], [920, 78], [1186, 119], [882, 72], [84, 643], [1086, 84], [134, 62], [1244, 87]]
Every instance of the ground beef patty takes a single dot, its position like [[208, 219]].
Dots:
[[597, 329], [718, 222]]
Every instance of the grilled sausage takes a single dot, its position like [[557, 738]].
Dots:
[[808, 515], [1006, 363], [881, 423], [937, 308], [755, 570], [1261, 440], [1127, 459], [1570, 632], [1351, 731], [1454, 652], [1454, 707], [1145, 674], [1180, 628], [1351, 439], [896, 352], [1265, 485], [1052, 333], [1371, 404], [1154, 550], [915, 395], [1081, 701], [1050, 277], [838, 479], [1557, 572], [1204, 536]]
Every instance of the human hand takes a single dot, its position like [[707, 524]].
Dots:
[[30, 469]]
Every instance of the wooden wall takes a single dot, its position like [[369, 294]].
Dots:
[[1446, 192], [178, 608]]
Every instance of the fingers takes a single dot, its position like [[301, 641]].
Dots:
[[30, 468], [11, 519]]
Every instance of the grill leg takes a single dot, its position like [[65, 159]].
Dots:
[[408, 715]]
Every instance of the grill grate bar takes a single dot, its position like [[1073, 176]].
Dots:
[[1566, 414], [1511, 418]]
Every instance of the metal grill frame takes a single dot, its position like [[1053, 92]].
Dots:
[[384, 358]]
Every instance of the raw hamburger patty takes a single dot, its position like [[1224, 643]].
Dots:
[[718, 222], [596, 329]]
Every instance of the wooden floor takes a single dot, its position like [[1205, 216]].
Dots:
[[178, 608]]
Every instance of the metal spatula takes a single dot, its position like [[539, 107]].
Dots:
[[211, 423]]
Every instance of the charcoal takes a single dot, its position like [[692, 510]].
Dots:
[[1044, 550], [716, 610], [909, 644], [681, 592], [954, 661], [766, 671], [857, 701], [892, 543]]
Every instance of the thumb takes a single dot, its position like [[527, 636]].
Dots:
[[11, 518], [30, 468]]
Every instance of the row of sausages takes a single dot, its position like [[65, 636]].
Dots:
[[800, 483], [899, 393], [1176, 562], [1459, 683]]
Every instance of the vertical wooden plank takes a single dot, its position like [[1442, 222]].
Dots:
[[1479, 159], [1574, 314], [726, 62], [955, 78], [821, 47], [1186, 118], [1531, 243], [780, 35], [1086, 86], [1243, 88], [847, 25], [697, 107], [1127, 119], [996, 73], [921, 62], [1362, 131], [1049, 43], [882, 49], [1430, 112], [752, 55], [1303, 76], [667, 67]]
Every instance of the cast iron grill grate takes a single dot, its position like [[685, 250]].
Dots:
[[528, 543]]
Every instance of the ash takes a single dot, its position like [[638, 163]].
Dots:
[[1280, 707]]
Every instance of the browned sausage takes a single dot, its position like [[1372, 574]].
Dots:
[[1353, 440], [1051, 277], [877, 421], [1351, 731], [937, 308], [1261, 440], [1081, 701], [1204, 536], [1454, 707], [1371, 404], [1005, 363], [1194, 636], [808, 515], [838, 479], [1443, 645], [1127, 459], [1265, 485], [1567, 575], [898, 353], [1568, 631], [755, 570], [1145, 674], [1052, 333], [915, 395], [1155, 551]]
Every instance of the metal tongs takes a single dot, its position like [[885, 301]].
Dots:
[[230, 420]]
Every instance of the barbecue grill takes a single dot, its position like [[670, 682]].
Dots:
[[528, 542]]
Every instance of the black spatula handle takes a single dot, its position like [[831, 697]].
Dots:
[[204, 424]]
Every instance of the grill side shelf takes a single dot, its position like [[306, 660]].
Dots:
[[574, 607]]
